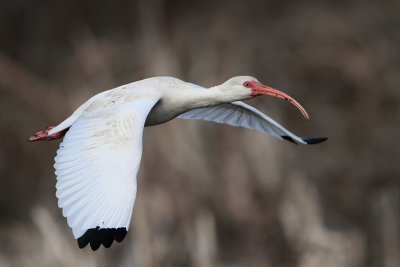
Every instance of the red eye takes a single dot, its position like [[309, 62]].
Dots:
[[246, 84]]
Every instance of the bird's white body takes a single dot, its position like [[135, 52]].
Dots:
[[176, 97], [98, 160]]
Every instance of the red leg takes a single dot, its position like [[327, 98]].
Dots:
[[44, 135]]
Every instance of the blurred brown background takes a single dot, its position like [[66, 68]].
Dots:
[[212, 195]]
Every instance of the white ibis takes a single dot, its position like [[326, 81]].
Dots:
[[98, 160]]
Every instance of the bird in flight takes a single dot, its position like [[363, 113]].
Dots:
[[98, 160]]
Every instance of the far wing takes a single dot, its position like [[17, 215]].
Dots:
[[96, 167], [242, 115]]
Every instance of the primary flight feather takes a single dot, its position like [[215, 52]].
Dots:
[[99, 157]]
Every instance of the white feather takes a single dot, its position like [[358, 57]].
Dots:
[[96, 166], [240, 114]]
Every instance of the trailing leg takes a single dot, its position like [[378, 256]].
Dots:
[[44, 135]]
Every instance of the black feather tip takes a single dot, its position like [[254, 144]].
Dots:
[[288, 138], [313, 141], [98, 236], [309, 141]]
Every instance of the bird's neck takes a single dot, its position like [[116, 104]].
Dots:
[[186, 97], [201, 98]]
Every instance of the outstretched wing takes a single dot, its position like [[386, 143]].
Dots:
[[242, 115], [96, 167]]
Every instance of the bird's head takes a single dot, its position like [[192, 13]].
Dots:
[[245, 87]]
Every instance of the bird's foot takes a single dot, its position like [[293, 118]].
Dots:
[[44, 135]]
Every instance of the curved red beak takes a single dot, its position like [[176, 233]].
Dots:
[[261, 89]]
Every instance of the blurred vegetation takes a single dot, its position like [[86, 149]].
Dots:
[[212, 195]]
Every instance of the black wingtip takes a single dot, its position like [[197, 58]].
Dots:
[[313, 141], [87, 236], [288, 138], [120, 234], [96, 237]]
